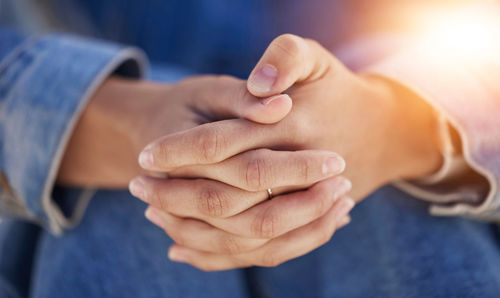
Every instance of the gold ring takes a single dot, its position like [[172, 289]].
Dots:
[[269, 194]]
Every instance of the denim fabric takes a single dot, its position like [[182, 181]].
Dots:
[[392, 248], [10, 40], [221, 36], [17, 253], [43, 88], [217, 36]]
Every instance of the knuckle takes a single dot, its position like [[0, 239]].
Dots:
[[231, 245], [271, 259], [212, 202], [161, 153], [331, 59], [288, 44], [158, 200], [264, 225], [325, 236], [176, 236], [321, 201], [304, 167], [210, 144], [256, 173], [241, 92]]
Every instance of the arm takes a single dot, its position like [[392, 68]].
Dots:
[[457, 77], [383, 131]]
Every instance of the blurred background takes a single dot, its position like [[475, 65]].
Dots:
[[223, 36]]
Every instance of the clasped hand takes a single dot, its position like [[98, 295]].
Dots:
[[214, 203]]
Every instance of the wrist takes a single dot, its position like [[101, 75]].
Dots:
[[129, 108], [412, 147], [101, 151]]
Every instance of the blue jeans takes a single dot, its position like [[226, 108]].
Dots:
[[392, 248]]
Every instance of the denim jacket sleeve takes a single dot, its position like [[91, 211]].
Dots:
[[45, 83]]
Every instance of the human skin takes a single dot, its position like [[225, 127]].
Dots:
[[124, 115], [384, 132]]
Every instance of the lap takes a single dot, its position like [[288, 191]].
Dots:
[[116, 252], [392, 248]]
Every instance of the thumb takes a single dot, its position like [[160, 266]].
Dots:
[[226, 97], [287, 60]]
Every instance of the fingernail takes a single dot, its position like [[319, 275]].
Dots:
[[266, 101], [176, 255], [263, 80], [333, 166], [344, 186], [136, 188], [346, 206], [153, 216], [146, 158]]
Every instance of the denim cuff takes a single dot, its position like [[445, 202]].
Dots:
[[43, 91]]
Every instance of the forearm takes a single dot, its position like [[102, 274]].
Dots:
[[103, 149]]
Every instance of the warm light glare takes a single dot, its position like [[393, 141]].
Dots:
[[466, 34]]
